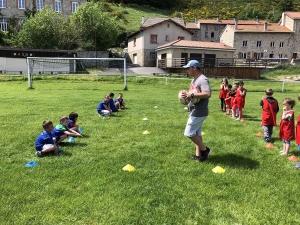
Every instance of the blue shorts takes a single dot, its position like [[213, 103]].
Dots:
[[194, 126]]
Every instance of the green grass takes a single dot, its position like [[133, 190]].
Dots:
[[86, 184]]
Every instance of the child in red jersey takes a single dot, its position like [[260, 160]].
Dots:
[[228, 100], [233, 105], [269, 111], [287, 125], [240, 99], [298, 129], [222, 94]]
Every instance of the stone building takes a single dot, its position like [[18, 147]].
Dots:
[[17, 9]]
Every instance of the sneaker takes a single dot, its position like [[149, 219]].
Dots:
[[39, 153], [283, 153], [195, 157], [267, 139], [237, 119], [205, 154]]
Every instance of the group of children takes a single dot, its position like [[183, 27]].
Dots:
[[288, 128], [48, 140], [232, 98], [109, 105]]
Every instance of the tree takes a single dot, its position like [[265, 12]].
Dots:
[[249, 13], [96, 28], [41, 31]]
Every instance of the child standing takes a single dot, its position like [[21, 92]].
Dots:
[[269, 111], [73, 116], [287, 125], [61, 131], [298, 128], [228, 100], [45, 142], [240, 99], [233, 105], [103, 107], [119, 102], [222, 94]]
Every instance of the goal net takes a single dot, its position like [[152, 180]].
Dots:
[[75, 66]]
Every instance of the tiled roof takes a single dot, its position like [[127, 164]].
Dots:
[[231, 22], [191, 26], [196, 44], [293, 15], [271, 27], [153, 21]]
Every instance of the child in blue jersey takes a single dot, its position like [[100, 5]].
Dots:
[[45, 141], [73, 116], [103, 107], [119, 102], [61, 131], [112, 103]]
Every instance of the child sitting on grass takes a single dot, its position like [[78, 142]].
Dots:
[[287, 125], [269, 111], [112, 103], [119, 102], [61, 131], [73, 116], [45, 141], [103, 107]]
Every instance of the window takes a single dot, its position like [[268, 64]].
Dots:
[[206, 27], [21, 4], [280, 55], [39, 5], [216, 27], [258, 44], [167, 37], [57, 6], [281, 44], [271, 56], [180, 38], [168, 25], [2, 4], [212, 34], [134, 42], [153, 39], [74, 6], [245, 43], [152, 55], [244, 55], [20, 23], [206, 34], [272, 45], [3, 24]]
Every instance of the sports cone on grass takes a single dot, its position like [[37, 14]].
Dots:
[[146, 132], [259, 134], [218, 169], [269, 145], [293, 158], [128, 168]]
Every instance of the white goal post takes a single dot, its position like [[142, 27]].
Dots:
[[49, 65]]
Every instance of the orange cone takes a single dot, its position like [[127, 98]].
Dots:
[[269, 145], [293, 158], [259, 134], [243, 120]]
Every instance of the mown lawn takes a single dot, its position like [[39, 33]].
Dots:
[[86, 184]]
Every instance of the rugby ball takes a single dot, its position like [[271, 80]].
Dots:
[[182, 100], [195, 100]]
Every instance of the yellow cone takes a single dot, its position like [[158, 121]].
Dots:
[[128, 167], [218, 169], [146, 132], [202, 133]]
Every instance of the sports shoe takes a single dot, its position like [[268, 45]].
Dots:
[[205, 154], [237, 119], [267, 139], [195, 157], [39, 153]]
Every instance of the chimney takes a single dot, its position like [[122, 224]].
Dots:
[[235, 24], [218, 20], [283, 19], [196, 20], [266, 26], [257, 20], [143, 20]]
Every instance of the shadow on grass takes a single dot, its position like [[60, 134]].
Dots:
[[234, 161], [71, 144], [251, 118]]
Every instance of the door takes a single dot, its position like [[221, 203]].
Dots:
[[134, 58], [184, 59], [209, 60]]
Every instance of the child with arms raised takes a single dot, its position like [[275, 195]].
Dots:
[[61, 131], [45, 141], [222, 94], [287, 125]]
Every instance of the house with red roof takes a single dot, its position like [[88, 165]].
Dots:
[[155, 32]]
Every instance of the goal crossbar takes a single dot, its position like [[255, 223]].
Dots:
[[56, 62]]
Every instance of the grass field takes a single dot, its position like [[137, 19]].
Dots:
[[86, 184]]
